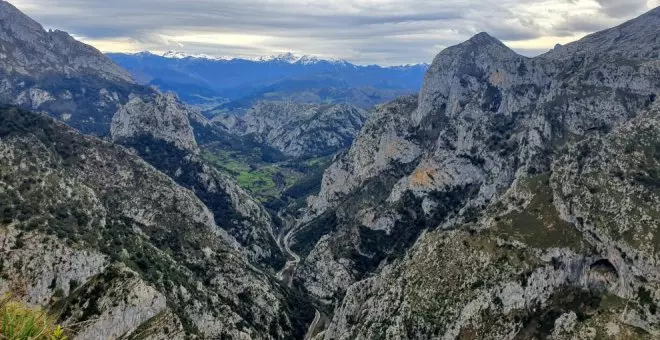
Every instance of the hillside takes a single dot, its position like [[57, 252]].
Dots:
[[121, 248], [512, 198]]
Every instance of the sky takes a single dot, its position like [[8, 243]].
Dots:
[[386, 32]]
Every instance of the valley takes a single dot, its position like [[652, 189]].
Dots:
[[488, 195]]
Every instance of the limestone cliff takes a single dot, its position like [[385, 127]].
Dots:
[[451, 215]]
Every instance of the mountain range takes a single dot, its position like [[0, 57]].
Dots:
[[228, 85], [511, 198]]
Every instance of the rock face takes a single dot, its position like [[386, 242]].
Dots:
[[496, 204], [298, 130], [115, 247], [52, 72], [160, 116]]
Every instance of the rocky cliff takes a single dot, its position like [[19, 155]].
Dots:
[[298, 130], [494, 204], [116, 248]]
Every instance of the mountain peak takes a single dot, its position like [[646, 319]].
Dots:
[[480, 44], [292, 58], [16, 21], [484, 38]]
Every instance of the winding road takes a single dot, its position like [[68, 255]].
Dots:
[[312, 327], [286, 274]]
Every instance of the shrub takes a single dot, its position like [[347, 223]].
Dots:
[[22, 323]]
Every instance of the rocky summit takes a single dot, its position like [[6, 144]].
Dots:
[[159, 116], [512, 198]]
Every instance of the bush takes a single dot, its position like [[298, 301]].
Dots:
[[22, 323]]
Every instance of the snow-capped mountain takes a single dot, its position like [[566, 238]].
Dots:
[[211, 80], [288, 57], [183, 55]]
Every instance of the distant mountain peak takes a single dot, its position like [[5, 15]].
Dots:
[[182, 55], [292, 58], [287, 57]]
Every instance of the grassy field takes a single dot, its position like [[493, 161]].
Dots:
[[268, 182]]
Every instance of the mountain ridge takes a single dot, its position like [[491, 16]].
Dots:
[[287, 57]]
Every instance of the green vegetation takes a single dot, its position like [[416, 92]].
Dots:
[[538, 224], [275, 183], [20, 322]]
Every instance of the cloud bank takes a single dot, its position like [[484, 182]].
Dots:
[[362, 31]]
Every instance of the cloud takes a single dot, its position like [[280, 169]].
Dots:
[[362, 31], [622, 9]]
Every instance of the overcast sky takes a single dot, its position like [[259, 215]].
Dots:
[[361, 31]]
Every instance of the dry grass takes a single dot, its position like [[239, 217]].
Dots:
[[20, 322]]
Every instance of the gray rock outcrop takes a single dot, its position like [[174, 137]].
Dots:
[[298, 130], [160, 116]]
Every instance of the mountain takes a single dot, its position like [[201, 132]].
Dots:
[[298, 130], [144, 228], [50, 71], [230, 83], [160, 116], [156, 126], [319, 90], [514, 198], [160, 130]]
